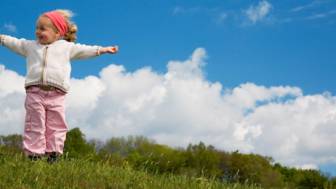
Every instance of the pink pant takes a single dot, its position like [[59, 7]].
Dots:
[[45, 126]]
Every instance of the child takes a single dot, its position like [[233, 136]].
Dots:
[[47, 80]]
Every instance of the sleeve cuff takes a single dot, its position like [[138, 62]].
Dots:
[[98, 51]]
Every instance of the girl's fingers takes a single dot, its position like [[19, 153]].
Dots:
[[115, 49]]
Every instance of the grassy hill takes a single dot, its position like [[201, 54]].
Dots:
[[138, 162], [19, 172]]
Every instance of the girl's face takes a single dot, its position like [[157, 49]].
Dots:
[[46, 32]]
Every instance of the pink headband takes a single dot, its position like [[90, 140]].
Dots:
[[58, 20]]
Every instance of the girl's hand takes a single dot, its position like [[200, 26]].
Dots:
[[111, 50]]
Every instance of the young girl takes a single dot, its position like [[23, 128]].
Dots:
[[48, 80]]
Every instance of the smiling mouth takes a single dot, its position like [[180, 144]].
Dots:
[[41, 37]]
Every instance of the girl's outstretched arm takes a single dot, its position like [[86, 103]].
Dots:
[[17, 45], [80, 51], [110, 50]]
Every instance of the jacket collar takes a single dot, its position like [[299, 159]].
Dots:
[[51, 44]]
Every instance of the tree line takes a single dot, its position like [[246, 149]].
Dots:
[[197, 160]]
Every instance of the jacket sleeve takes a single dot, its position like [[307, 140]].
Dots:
[[79, 51], [17, 45]]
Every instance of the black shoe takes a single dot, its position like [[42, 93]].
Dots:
[[52, 157], [34, 157]]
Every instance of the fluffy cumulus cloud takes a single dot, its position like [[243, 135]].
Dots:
[[181, 106], [259, 12], [11, 101]]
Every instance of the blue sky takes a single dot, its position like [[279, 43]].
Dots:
[[292, 44], [249, 75]]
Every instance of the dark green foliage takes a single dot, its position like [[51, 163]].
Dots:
[[251, 168], [203, 160], [76, 146], [310, 179], [332, 183], [125, 146], [304, 178], [156, 158], [12, 143], [143, 153]]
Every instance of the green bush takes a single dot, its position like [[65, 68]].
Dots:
[[250, 168], [12, 143], [203, 160], [76, 146]]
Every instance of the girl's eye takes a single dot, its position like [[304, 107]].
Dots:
[[40, 28]]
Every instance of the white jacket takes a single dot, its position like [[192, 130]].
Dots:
[[49, 64]]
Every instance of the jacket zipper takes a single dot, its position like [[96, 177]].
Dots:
[[44, 65]]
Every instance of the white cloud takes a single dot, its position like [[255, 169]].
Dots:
[[215, 14], [181, 106], [308, 167], [11, 102], [259, 12], [311, 5], [10, 81], [315, 10], [10, 27], [303, 7], [321, 15]]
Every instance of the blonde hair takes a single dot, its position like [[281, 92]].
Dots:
[[71, 35]]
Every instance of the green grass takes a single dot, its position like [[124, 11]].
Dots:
[[17, 171]]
